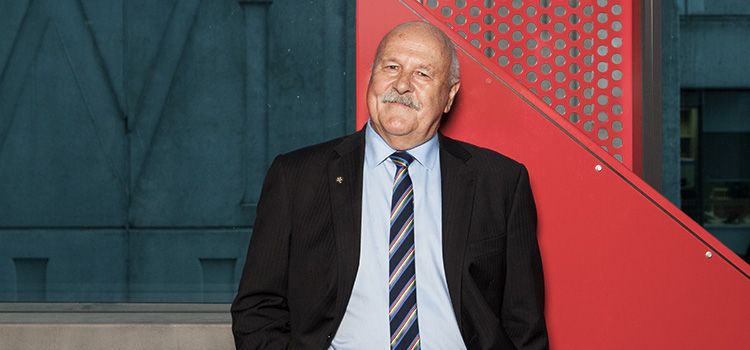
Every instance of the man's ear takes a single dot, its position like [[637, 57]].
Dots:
[[451, 96]]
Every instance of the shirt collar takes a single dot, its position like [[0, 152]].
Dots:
[[377, 150]]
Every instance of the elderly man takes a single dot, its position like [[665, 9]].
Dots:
[[395, 237]]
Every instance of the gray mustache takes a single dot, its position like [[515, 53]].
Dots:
[[406, 100]]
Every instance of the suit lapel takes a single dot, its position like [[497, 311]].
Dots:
[[345, 183], [458, 196]]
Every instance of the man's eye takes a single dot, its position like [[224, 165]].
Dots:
[[391, 66], [422, 74]]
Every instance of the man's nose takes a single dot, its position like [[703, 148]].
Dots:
[[403, 83]]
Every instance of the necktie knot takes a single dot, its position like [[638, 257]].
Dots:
[[402, 159]]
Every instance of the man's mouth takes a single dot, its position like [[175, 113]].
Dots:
[[405, 100]]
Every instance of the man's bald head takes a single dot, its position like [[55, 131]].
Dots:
[[448, 48]]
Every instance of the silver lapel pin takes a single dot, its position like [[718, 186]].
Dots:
[[340, 180]]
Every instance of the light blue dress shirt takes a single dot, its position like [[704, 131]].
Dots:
[[365, 324]]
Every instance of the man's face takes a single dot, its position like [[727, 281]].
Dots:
[[409, 88]]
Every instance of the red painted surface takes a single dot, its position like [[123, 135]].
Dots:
[[624, 268]]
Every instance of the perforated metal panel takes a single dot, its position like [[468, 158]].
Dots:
[[569, 53]]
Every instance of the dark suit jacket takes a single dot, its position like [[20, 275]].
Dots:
[[304, 251]]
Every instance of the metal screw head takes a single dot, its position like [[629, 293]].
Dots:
[[598, 167], [709, 255]]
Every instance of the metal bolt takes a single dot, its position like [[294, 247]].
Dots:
[[598, 167], [709, 255]]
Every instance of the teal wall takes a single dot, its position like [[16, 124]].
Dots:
[[134, 136]]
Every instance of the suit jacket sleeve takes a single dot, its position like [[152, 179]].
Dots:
[[523, 304], [260, 315]]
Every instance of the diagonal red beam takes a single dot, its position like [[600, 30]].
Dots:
[[624, 267]]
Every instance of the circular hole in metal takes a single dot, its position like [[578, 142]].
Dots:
[[503, 27], [602, 50], [517, 52], [517, 19], [602, 17], [602, 67], [517, 68], [574, 3], [489, 19], [533, 90], [502, 44], [545, 35], [474, 11], [617, 26], [531, 61], [601, 3], [588, 126], [574, 85], [559, 93], [574, 52], [488, 35], [601, 34], [602, 100], [588, 109], [588, 27], [603, 134], [517, 4], [574, 68], [531, 44], [546, 68], [545, 3], [560, 109], [460, 3], [546, 85], [502, 61], [588, 44], [574, 101], [602, 83], [559, 27], [544, 19], [575, 118], [602, 116], [616, 42], [617, 58], [574, 19], [559, 44], [617, 91], [559, 11], [617, 109], [517, 36], [559, 60], [462, 34], [446, 11], [618, 157], [559, 77], [460, 19], [616, 74], [588, 77], [489, 3], [530, 28], [574, 35], [531, 11], [605, 148], [503, 11], [531, 77], [588, 92], [588, 60], [547, 100], [474, 28], [616, 10], [617, 142], [588, 11], [489, 52], [432, 4], [476, 43], [617, 125]]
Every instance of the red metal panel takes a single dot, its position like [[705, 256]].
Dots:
[[624, 268]]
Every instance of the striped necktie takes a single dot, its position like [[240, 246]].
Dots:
[[402, 282]]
